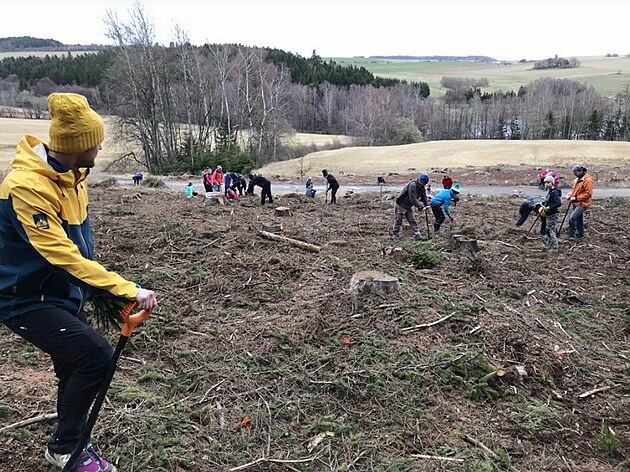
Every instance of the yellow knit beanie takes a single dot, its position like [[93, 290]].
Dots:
[[74, 126]]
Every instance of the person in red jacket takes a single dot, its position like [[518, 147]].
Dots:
[[217, 177], [447, 182], [207, 180]]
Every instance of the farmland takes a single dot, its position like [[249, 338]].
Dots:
[[608, 75]]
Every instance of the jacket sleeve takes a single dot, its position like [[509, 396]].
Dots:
[[54, 245]]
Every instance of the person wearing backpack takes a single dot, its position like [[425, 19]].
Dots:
[[412, 195]]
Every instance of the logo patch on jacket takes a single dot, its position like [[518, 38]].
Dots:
[[41, 221]]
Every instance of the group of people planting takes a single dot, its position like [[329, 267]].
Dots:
[[548, 208], [47, 271], [417, 194]]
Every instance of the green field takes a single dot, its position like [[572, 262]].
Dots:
[[609, 75]]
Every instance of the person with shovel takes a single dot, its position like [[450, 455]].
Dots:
[[443, 200], [412, 195], [530, 204], [548, 211], [580, 198], [47, 271]]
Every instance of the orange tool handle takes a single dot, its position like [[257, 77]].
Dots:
[[131, 321]]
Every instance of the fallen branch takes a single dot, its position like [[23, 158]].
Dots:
[[438, 458], [480, 445], [594, 391], [263, 460], [508, 244], [294, 242], [36, 419], [427, 325]]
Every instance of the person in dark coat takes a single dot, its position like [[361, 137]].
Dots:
[[530, 204], [333, 186], [413, 195], [238, 183], [264, 184], [549, 211]]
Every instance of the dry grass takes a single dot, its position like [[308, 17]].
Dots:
[[12, 130], [439, 154]]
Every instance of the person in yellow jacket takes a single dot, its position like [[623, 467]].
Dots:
[[47, 271], [581, 197]]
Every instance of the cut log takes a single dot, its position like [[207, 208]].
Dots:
[[372, 281], [294, 242], [215, 198], [282, 211], [275, 228]]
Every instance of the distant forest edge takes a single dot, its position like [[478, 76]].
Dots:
[[181, 107], [28, 43], [433, 58]]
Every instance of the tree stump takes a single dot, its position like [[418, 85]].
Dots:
[[466, 244], [373, 281], [274, 228], [215, 198], [282, 211]]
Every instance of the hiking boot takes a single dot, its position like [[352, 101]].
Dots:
[[395, 238], [102, 463], [85, 462], [417, 237], [571, 238]]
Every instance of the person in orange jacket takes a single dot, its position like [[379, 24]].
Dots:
[[217, 178], [581, 197]]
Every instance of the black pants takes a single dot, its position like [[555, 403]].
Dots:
[[333, 194], [439, 217], [240, 186], [207, 187], [81, 358], [266, 193]]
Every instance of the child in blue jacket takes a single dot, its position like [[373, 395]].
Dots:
[[443, 199]]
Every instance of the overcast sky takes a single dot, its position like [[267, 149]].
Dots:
[[503, 29]]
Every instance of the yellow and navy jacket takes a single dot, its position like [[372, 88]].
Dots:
[[46, 245]]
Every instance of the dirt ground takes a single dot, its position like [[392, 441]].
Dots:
[[260, 358]]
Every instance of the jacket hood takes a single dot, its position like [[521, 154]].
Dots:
[[33, 159]]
